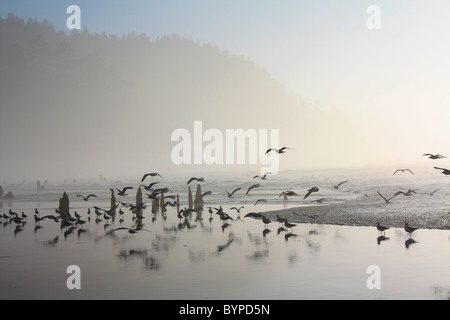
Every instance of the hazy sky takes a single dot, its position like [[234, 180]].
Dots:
[[392, 83]]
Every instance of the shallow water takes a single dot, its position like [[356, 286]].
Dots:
[[202, 259]]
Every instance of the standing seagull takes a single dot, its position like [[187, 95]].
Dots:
[[381, 228], [444, 171], [339, 184], [434, 156], [265, 221], [313, 189], [402, 170], [409, 229]]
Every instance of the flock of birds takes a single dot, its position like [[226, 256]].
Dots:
[[72, 222]]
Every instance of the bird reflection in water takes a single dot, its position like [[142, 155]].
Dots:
[[381, 239], [266, 231], [409, 242], [281, 229], [289, 235], [258, 255], [150, 261], [222, 247]]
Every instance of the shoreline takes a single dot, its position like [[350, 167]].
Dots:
[[346, 214]]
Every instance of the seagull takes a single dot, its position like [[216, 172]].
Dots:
[[339, 184], [289, 225], [108, 212], [254, 186], [311, 190], [264, 177], [402, 170], [238, 210], [87, 197], [153, 174], [256, 215], [123, 191], [288, 193], [50, 217], [433, 192], [282, 150], [381, 228], [207, 193], [409, 229], [409, 193], [386, 200], [265, 221], [434, 156], [444, 171], [260, 200], [231, 194], [281, 220], [197, 179], [224, 217], [150, 186]]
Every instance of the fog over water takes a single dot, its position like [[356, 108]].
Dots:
[[86, 103]]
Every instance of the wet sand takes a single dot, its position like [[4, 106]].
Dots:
[[357, 214]]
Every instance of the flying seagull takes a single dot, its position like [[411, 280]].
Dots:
[[231, 194], [196, 179], [152, 174], [434, 156], [260, 200], [339, 184], [150, 186], [433, 192], [386, 200], [256, 215], [264, 177], [123, 191], [254, 186], [444, 171], [282, 150], [238, 210], [402, 170], [311, 190], [288, 193], [87, 197]]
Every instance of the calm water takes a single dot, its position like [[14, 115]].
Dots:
[[205, 260]]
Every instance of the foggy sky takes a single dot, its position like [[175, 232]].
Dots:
[[388, 88]]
